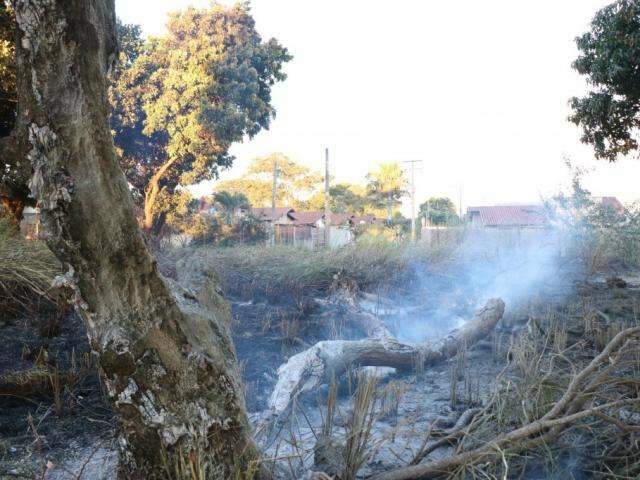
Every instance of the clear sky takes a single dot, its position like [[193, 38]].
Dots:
[[477, 90]]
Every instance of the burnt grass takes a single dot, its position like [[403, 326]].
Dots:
[[35, 427], [43, 422]]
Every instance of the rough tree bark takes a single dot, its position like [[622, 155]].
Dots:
[[168, 363], [316, 365]]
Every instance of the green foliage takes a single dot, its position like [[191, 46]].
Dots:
[[245, 230], [598, 235], [183, 217], [344, 198], [8, 94], [439, 211], [386, 187], [182, 99], [610, 59], [231, 204], [295, 182], [222, 228]]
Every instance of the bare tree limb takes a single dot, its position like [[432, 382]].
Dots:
[[316, 365]]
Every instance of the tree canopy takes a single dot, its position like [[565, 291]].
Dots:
[[610, 59], [295, 184], [230, 203], [438, 211], [344, 198], [386, 187], [182, 99]]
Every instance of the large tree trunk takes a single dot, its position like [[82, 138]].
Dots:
[[168, 364]]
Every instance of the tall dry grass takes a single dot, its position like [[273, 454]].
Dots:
[[27, 269], [298, 272]]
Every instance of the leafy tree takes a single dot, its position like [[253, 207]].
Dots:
[[295, 182], [184, 98], [231, 203], [610, 59], [344, 198], [386, 187], [438, 211], [183, 216]]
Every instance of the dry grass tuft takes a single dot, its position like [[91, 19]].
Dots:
[[359, 445], [27, 269]]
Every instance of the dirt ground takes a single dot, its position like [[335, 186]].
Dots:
[[69, 431]]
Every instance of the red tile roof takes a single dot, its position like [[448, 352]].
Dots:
[[338, 219], [306, 218], [311, 218], [612, 202], [508, 216], [266, 213]]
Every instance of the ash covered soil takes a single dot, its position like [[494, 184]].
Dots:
[[55, 422]]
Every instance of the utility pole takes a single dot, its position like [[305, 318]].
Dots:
[[413, 197], [460, 202], [327, 199]]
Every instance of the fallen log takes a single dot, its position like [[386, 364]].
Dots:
[[318, 364]]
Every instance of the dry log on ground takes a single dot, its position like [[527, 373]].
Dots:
[[567, 411], [315, 366]]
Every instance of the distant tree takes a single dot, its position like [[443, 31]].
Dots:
[[438, 211], [610, 59], [386, 187], [295, 182], [344, 198], [183, 216], [182, 99], [231, 203]]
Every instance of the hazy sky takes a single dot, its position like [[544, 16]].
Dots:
[[477, 90]]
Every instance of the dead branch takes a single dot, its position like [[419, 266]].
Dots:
[[318, 364], [449, 436], [566, 412]]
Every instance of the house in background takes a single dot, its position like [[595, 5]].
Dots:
[[505, 227], [508, 216], [610, 202], [279, 215], [308, 229]]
